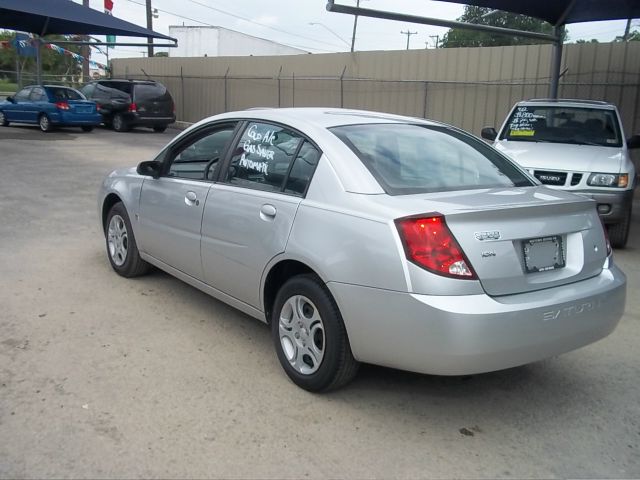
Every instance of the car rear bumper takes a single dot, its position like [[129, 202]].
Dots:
[[140, 120], [612, 207], [462, 335], [68, 118]]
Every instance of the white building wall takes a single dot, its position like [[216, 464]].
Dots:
[[222, 42], [195, 41]]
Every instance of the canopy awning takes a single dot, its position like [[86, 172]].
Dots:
[[561, 12], [63, 17]]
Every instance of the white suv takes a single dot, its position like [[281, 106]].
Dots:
[[575, 145]]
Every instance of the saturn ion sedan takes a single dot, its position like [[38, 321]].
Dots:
[[368, 237]]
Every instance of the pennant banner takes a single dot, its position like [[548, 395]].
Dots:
[[25, 47]]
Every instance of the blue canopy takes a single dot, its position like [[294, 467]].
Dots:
[[44, 17], [561, 12]]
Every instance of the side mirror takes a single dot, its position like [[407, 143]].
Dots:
[[149, 169], [489, 133], [10, 99], [633, 142]]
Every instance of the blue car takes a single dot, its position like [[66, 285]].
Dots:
[[49, 106]]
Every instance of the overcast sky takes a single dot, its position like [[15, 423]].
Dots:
[[287, 21]]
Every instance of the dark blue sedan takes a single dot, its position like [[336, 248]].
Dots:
[[49, 106]]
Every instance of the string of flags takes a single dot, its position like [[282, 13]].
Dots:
[[22, 45]]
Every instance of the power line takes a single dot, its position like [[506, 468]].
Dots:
[[211, 25]]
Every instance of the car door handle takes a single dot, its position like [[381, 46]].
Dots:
[[267, 212], [191, 199]]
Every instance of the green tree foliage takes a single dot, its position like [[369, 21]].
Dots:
[[582, 40], [457, 37], [53, 63]]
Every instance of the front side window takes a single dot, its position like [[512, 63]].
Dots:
[[557, 124], [262, 157], [200, 159], [408, 158]]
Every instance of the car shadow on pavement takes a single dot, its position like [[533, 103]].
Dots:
[[32, 132]]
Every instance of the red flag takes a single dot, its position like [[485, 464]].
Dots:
[[108, 6]]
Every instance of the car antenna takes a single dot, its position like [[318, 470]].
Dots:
[[146, 74]]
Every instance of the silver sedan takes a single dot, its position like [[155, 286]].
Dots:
[[368, 237]]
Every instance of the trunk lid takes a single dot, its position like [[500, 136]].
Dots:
[[81, 106], [494, 226]]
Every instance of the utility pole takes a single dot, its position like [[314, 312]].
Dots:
[[150, 27], [408, 34], [437, 40], [355, 25], [625, 37], [85, 51]]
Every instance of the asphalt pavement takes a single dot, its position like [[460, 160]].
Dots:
[[104, 377]]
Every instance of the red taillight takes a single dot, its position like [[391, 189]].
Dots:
[[429, 243], [133, 108], [606, 237], [62, 105]]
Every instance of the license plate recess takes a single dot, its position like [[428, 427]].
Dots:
[[543, 254]]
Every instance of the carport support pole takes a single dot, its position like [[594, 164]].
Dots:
[[38, 61], [556, 61]]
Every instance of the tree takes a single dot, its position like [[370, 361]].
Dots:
[[582, 40], [161, 54], [457, 37]]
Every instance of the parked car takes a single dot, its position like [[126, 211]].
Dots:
[[125, 104], [575, 145], [367, 237], [50, 106]]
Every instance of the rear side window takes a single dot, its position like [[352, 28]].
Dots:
[[407, 159], [150, 92], [38, 95], [263, 156], [59, 94], [88, 89]]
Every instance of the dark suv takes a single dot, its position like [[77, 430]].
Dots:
[[131, 103]]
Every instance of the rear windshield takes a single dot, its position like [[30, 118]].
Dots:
[[555, 124], [407, 158], [61, 93], [148, 91]]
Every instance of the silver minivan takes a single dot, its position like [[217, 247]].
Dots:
[[575, 145]]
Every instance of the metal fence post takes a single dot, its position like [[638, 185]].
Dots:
[[182, 116], [226, 109], [424, 110], [293, 89], [279, 94], [342, 87]]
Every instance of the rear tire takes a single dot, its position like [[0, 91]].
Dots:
[[44, 123], [87, 128], [3, 120], [122, 248], [310, 337], [120, 124], [619, 232], [160, 129]]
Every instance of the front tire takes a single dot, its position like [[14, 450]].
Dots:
[[122, 249], [310, 337], [45, 123], [120, 123], [619, 232], [3, 119]]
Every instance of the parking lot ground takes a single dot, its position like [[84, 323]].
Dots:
[[104, 377]]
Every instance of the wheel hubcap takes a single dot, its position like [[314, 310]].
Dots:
[[1, 117], [117, 123], [44, 123], [302, 334], [118, 240]]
